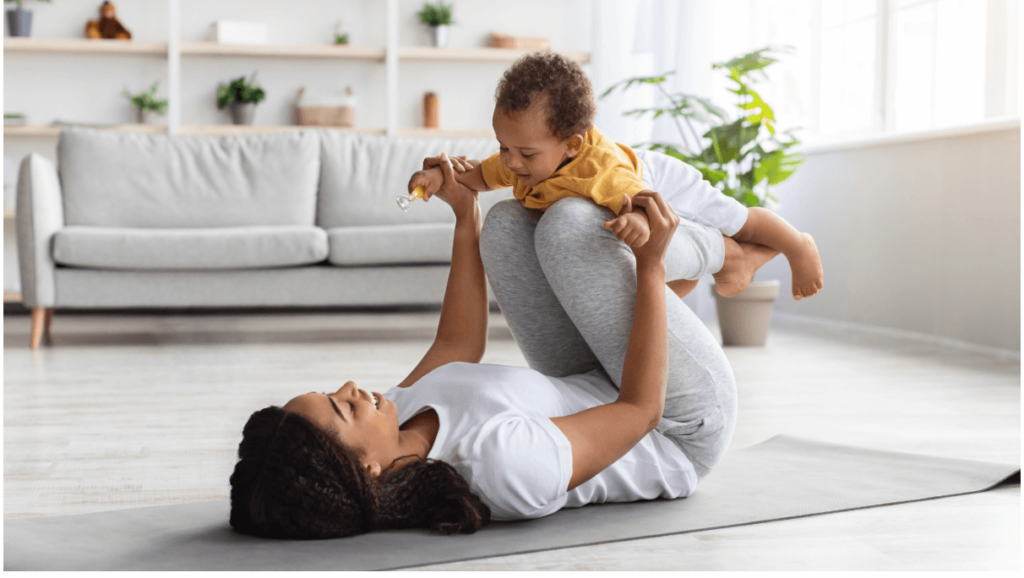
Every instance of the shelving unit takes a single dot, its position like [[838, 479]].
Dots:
[[175, 50], [12, 296]]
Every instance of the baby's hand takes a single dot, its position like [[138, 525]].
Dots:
[[632, 228], [431, 180]]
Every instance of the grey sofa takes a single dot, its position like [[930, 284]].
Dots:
[[301, 218]]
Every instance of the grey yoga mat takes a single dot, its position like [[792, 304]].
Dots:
[[783, 477]]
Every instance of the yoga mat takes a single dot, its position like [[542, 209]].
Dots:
[[781, 478]]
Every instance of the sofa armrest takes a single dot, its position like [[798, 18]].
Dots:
[[39, 213]]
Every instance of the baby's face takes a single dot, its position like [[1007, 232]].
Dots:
[[528, 148]]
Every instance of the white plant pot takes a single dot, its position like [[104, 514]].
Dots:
[[440, 35], [243, 112], [744, 319]]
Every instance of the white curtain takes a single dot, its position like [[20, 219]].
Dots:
[[645, 38]]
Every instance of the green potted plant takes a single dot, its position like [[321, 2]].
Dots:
[[19, 20], [743, 157], [241, 96], [146, 103], [439, 18]]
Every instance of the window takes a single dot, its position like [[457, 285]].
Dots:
[[872, 66]]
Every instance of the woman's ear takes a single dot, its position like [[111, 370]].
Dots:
[[573, 145], [373, 469]]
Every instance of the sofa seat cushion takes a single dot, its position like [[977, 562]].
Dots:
[[392, 244], [185, 249]]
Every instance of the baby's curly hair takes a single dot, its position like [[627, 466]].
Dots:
[[569, 94]]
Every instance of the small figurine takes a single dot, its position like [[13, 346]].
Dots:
[[107, 26]]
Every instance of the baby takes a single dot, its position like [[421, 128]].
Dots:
[[549, 150]]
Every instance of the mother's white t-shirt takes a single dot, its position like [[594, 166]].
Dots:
[[496, 431]]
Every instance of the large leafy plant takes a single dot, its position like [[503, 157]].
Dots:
[[741, 157], [239, 90]]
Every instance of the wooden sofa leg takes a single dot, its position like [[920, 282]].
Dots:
[[38, 323], [46, 325]]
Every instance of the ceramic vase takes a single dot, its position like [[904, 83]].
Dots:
[[440, 35], [243, 112], [744, 318], [19, 22]]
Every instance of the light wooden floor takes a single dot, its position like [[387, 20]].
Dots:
[[132, 410]]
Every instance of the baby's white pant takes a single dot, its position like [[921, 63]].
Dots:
[[692, 198]]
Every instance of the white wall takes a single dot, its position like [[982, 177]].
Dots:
[[919, 236]]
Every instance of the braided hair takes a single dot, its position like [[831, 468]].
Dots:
[[558, 81], [295, 480]]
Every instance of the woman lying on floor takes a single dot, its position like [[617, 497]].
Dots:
[[628, 396]]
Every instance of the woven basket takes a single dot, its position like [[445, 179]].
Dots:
[[499, 40], [326, 115]]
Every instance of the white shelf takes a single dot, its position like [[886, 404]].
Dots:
[[236, 129], [51, 130], [476, 54], [83, 46], [322, 51], [327, 51], [448, 133]]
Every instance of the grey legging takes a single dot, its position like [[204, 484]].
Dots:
[[567, 288]]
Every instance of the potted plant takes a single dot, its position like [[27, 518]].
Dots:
[[146, 103], [241, 96], [742, 157], [19, 20], [439, 18]]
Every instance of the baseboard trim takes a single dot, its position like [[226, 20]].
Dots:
[[924, 338]]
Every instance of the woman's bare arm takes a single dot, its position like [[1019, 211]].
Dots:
[[601, 435], [462, 329]]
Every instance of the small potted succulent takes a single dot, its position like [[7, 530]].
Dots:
[[742, 157], [146, 104], [19, 20], [439, 18], [241, 96]]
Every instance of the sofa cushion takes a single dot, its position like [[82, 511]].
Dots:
[[391, 244], [362, 175], [120, 179], [184, 249]]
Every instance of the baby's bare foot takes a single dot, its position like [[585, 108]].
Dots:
[[808, 276], [682, 287], [741, 261]]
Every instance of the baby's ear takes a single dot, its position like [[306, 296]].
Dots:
[[573, 144]]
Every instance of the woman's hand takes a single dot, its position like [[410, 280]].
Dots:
[[460, 164], [431, 178], [663, 221], [460, 197]]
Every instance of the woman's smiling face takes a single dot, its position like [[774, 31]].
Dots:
[[528, 147], [368, 423]]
